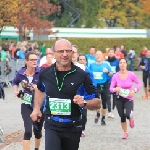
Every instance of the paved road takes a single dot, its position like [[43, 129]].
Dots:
[[97, 137]]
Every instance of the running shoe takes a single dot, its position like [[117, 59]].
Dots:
[[109, 115], [103, 122], [132, 122], [125, 135], [96, 119], [83, 134], [145, 97]]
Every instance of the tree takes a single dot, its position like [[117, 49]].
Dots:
[[87, 8], [120, 13], [146, 9], [8, 12], [33, 16]]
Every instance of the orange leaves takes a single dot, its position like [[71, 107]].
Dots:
[[146, 6], [33, 14]]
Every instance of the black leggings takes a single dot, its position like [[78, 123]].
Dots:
[[146, 77], [58, 140], [104, 93], [109, 102], [84, 118], [124, 107], [26, 110]]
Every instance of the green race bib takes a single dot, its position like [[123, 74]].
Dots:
[[124, 92], [27, 98], [98, 75], [60, 106], [113, 69]]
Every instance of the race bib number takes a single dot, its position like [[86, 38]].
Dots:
[[60, 106], [98, 75], [27, 98], [113, 69], [124, 92]]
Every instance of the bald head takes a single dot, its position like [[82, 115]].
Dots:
[[62, 43], [48, 50]]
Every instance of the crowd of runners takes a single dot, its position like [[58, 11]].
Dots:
[[58, 90]]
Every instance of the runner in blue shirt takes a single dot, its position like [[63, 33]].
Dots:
[[91, 56], [101, 70], [114, 63], [81, 91]]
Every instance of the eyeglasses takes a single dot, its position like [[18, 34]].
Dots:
[[33, 59], [62, 51]]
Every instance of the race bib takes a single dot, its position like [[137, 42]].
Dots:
[[98, 75], [27, 98], [60, 106], [113, 69], [124, 92]]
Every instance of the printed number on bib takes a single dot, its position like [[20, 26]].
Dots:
[[113, 69], [60, 106], [98, 75], [27, 98], [124, 92]]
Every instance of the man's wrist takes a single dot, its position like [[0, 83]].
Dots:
[[85, 103]]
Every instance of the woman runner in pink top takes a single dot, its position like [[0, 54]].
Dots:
[[121, 84]]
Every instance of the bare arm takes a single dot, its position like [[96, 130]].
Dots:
[[38, 99], [91, 104], [95, 103]]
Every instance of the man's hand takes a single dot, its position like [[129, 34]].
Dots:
[[78, 100], [35, 114]]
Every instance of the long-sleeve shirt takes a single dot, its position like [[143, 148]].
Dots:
[[126, 85]]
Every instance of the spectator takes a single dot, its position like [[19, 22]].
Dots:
[[42, 49], [49, 62], [118, 53], [123, 51], [131, 57], [105, 55], [21, 53], [43, 59]]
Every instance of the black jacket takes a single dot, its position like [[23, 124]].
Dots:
[[66, 89]]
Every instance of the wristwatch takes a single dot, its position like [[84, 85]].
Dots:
[[85, 102]]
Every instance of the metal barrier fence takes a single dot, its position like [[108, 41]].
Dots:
[[14, 65]]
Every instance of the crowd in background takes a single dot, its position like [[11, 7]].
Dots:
[[17, 50]]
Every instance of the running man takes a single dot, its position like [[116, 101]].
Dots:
[[81, 91], [60, 82], [121, 84], [101, 70], [114, 63]]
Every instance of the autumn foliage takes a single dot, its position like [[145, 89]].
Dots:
[[146, 6], [8, 12], [28, 15]]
